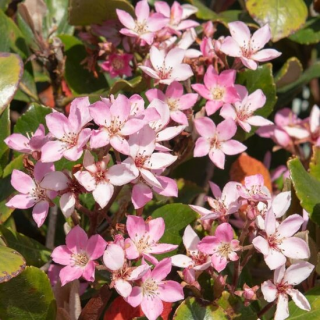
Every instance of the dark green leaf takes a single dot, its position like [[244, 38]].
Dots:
[[11, 67], [309, 34], [28, 296], [261, 78], [16, 163], [5, 191], [83, 12], [176, 217], [133, 85], [307, 189], [4, 31], [4, 4], [12, 264], [283, 18], [314, 166], [30, 120], [4, 133], [190, 309], [313, 297], [79, 79]]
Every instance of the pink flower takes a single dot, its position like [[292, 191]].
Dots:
[[248, 293], [282, 286], [78, 255], [154, 289], [145, 26], [177, 15], [242, 111], [167, 68], [122, 273], [144, 238], [175, 100], [218, 89], [216, 141], [248, 48], [31, 193], [118, 65], [100, 179], [278, 242], [115, 123], [221, 246], [225, 202], [31, 145], [194, 259], [314, 125], [69, 132]]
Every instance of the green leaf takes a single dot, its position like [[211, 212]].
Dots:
[[133, 85], [12, 264], [261, 78], [28, 296], [4, 4], [30, 120], [34, 252], [307, 189], [176, 218], [190, 309], [79, 79], [16, 163], [4, 133], [313, 297], [5, 191], [290, 72], [4, 31], [314, 166], [309, 34], [57, 17], [283, 18], [11, 67], [83, 12]]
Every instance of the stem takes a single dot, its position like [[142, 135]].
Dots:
[[248, 247], [266, 309], [84, 210], [52, 227]]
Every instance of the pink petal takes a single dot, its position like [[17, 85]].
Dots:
[[227, 78], [160, 160], [57, 123], [67, 203], [156, 57], [261, 245], [299, 299], [274, 259], [179, 117], [61, 255], [175, 90], [41, 169], [217, 157], [162, 269], [100, 112], [232, 147], [202, 211], [156, 22], [99, 138], [282, 311], [142, 141], [18, 142], [270, 223], [249, 63], [95, 247], [22, 182], [256, 100], [169, 187], [205, 127], [86, 180], [131, 250], [269, 291], [73, 154], [260, 38], [103, 193], [21, 201], [169, 133], [79, 114], [209, 244], [150, 178], [155, 94], [160, 248], [125, 18], [40, 212], [295, 248], [170, 291], [120, 144], [76, 240], [215, 189], [181, 72], [259, 121], [240, 32], [142, 10], [139, 272], [135, 297], [89, 271], [152, 308], [219, 262], [123, 287], [174, 58], [187, 101], [279, 274], [56, 181], [266, 55], [231, 95], [212, 106], [210, 78], [181, 261], [120, 109], [226, 129], [290, 225], [298, 272], [202, 147], [190, 239], [69, 273], [224, 232], [202, 90], [136, 226], [141, 195], [155, 229], [162, 7], [113, 257], [150, 72], [230, 47], [120, 174], [52, 151]]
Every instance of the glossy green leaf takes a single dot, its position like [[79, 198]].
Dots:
[[79, 79], [83, 12], [313, 297], [307, 189], [133, 85], [12, 264], [309, 34], [4, 133], [16, 163], [28, 296], [290, 72], [314, 166], [34, 252], [176, 217], [6, 191], [283, 18], [30, 120], [11, 67], [261, 78], [190, 309], [4, 31]]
